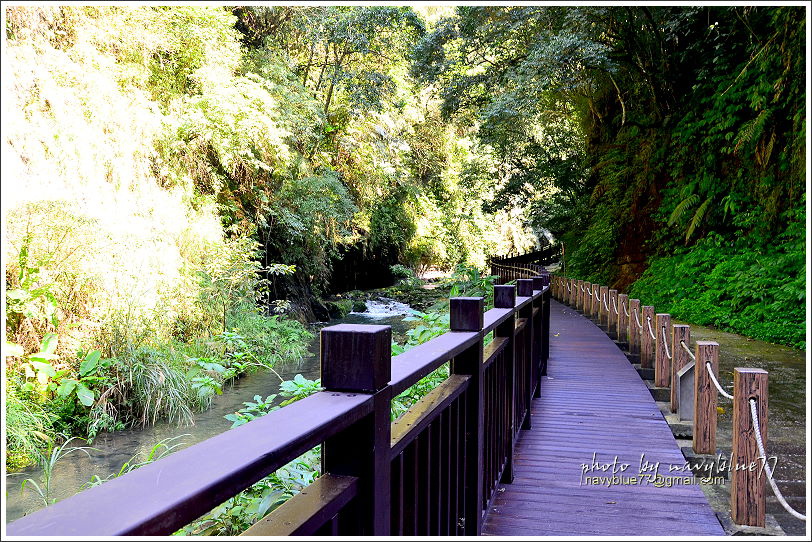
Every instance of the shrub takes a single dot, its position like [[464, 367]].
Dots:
[[28, 427]]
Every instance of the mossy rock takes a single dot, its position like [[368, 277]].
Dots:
[[359, 306], [340, 308]]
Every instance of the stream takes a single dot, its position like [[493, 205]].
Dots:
[[112, 450]]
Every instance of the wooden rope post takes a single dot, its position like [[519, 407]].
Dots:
[[748, 486], [612, 321], [646, 342], [595, 301], [634, 330], [504, 297], [466, 314], [622, 320], [680, 333], [584, 298], [579, 299], [662, 364], [567, 292], [573, 293], [357, 358], [704, 440], [603, 314]]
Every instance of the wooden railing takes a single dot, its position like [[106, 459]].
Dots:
[[433, 471], [544, 256], [664, 349]]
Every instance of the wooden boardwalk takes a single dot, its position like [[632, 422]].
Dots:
[[593, 400]]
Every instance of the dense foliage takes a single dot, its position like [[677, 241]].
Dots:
[[669, 140], [163, 182], [160, 184]]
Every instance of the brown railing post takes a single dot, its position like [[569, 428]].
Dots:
[[662, 364], [646, 341], [681, 333], [545, 334], [596, 307], [603, 314], [357, 358], [612, 302], [622, 319], [524, 288], [748, 486], [705, 398], [634, 330], [466, 314], [538, 334], [504, 297], [581, 294]]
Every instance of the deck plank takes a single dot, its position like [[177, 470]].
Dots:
[[593, 400]]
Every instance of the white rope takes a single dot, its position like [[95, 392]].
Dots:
[[625, 310], [776, 492], [639, 324], [568, 287], [713, 377], [685, 347], [665, 342], [589, 292], [614, 302], [582, 287], [650, 332], [604, 302]]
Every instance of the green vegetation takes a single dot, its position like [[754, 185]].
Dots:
[[243, 510], [195, 177], [658, 143], [182, 192]]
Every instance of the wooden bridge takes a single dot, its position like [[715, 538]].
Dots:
[[543, 427]]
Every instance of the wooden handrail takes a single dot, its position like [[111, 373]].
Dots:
[[431, 472], [163, 496]]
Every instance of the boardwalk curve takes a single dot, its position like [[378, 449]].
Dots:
[[593, 401]]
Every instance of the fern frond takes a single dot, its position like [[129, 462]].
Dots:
[[752, 130], [697, 219], [680, 208]]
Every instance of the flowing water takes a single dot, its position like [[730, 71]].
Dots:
[[112, 450], [786, 424]]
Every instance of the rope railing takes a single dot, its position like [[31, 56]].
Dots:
[[719, 388], [650, 331], [685, 347], [767, 469], [665, 342], [709, 350]]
